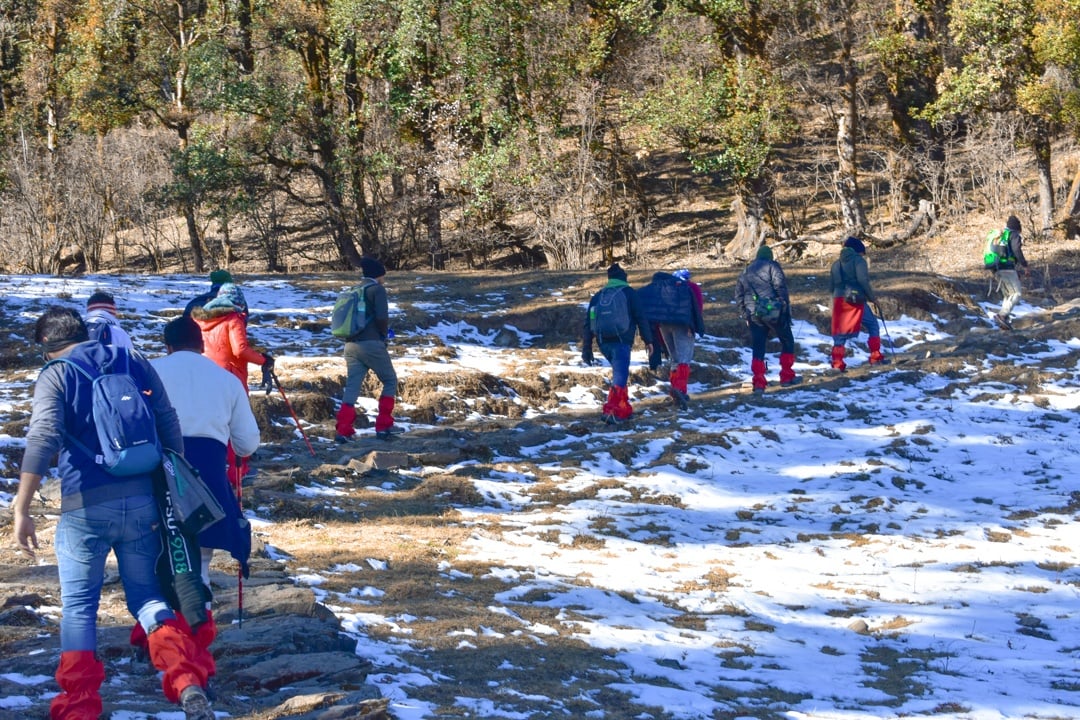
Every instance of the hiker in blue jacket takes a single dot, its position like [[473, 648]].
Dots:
[[613, 318], [670, 306], [100, 513]]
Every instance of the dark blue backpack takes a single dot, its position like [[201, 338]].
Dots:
[[126, 428], [667, 300], [100, 331]]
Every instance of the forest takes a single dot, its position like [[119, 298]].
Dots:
[[446, 134]]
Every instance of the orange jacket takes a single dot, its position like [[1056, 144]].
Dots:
[[225, 341]]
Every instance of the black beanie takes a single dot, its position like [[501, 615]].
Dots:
[[616, 273], [1013, 223], [372, 268], [855, 244]]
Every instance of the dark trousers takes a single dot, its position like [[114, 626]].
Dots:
[[759, 335]]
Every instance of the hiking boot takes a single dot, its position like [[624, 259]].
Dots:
[[759, 391], [681, 399], [342, 439], [793, 381], [389, 433], [610, 419], [195, 704]]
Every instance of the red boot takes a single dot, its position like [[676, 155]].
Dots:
[[758, 368], [876, 357], [343, 424], [384, 421], [623, 409], [174, 652], [612, 402], [79, 676], [203, 636], [838, 353], [787, 373]]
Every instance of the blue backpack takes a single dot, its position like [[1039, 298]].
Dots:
[[609, 316], [100, 331], [128, 442]]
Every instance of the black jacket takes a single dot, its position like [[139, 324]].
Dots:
[[761, 278]]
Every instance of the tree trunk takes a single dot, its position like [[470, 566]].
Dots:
[[752, 227], [847, 127], [246, 52], [433, 208], [1041, 146], [193, 238], [315, 55], [1072, 208], [188, 208]]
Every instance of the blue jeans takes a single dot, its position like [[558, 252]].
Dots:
[[618, 354], [127, 526]]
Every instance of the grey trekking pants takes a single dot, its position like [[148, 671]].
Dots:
[[364, 355], [1009, 282], [679, 340]]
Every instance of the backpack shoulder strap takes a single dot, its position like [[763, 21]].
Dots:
[[77, 365], [89, 376]]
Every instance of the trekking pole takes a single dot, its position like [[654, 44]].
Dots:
[[892, 351], [237, 480], [291, 412]]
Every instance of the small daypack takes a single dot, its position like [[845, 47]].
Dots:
[[126, 428], [350, 314], [996, 249], [610, 314], [100, 332], [766, 310], [667, 300]]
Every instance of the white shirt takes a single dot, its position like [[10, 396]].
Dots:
[[209, 401]]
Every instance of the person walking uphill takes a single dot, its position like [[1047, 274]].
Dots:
[[223, 321], [673, 310], [102, 322], [366, 349], [1003, 256], [215, 415], [761, 294], [849, 279], [613, 318], [100, 512], [217, 279]]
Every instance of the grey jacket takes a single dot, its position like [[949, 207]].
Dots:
[[761, 278], [850, 271]]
